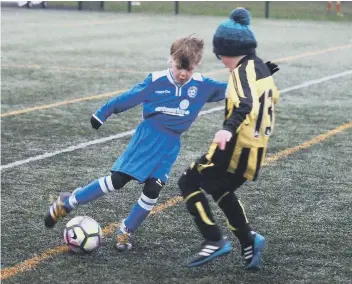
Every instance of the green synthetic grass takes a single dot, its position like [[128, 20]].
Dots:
[[301, 203]]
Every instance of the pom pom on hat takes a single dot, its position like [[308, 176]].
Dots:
[[241, 16], [234, 37]]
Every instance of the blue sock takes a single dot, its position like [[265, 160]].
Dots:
[[139, 212], [90, 192]]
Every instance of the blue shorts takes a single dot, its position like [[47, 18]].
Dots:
[[151, 153]]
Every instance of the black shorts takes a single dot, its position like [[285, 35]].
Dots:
[[213, 176]]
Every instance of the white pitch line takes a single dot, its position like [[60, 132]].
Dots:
[[317, 81], [130, 132]]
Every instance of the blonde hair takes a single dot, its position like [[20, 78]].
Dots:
[[190, 48]]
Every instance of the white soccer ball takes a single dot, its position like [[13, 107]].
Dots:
[[82, 234]]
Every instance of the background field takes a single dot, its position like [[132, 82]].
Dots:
[[301, 203], [312, 10]]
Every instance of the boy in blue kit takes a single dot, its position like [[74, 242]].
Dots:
[[171, 100]]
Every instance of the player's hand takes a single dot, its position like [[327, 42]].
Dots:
[[95, 122], [272, 67], [221, 138]]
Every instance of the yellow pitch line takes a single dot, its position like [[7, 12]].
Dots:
[[110, 94], [31, 263], [68, 68], [95, 22], [78, 23], [306, 144], [307, 54], [298, 56], [66, 102], [109, 229]]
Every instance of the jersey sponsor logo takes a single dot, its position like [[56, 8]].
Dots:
[[192, 91], [161, 92], [184, 104], [179, 111]]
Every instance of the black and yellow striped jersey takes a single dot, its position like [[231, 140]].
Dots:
[[251, 96]]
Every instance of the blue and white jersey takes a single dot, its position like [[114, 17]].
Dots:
[[166, 104]]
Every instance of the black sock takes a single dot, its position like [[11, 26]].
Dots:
[[244, 235], [198, 206], [236, 217]]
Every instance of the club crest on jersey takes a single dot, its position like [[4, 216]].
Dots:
[[192, 92]]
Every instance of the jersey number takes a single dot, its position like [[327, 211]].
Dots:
[[269, 110]]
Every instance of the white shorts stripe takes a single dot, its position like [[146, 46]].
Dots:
[[144, 205], [102, 185], [109, 183]]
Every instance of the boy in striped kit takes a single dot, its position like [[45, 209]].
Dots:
[[238, 150]]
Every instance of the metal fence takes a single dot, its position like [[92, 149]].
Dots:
[[175, 7], [313, 10]]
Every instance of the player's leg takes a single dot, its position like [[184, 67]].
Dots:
[[224, 196], [66, 202], [252, 243], [244, 162], [139, 212], [197, 204], [157, 177], [145, 203]]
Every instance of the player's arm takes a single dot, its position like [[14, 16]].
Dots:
[[272, 66], [218, 90], [243, 92], [129, 99], [244, 82]]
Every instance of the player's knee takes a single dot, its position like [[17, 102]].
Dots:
[[153, 187], [182, 183], [119, 179], [218, 193], [188, 182]]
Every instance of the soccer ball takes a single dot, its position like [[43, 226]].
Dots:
[[82, 234]]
